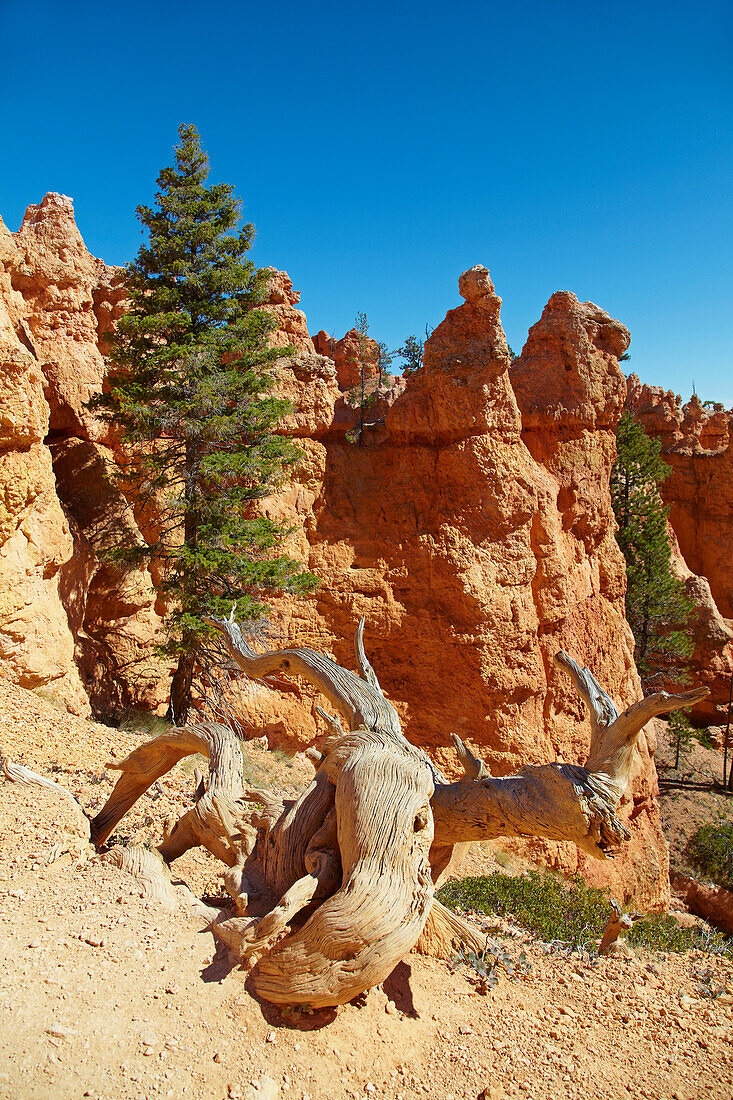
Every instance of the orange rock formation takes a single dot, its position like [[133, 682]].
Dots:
[[472, 526], [64, 299], [36, 644], [697, 444], [348, 354], [477, 545]]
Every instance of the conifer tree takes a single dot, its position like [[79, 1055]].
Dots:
[[412, 353], [188, 390], [657, 608]]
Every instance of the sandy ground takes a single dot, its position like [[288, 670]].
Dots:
[[103, 996]]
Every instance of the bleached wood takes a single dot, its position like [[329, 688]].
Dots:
[[361, 703], [619, 922], [446, 932], [148, 869], [18, 773], [365, 669], [333, 888], [473, 767], [614, 735], [211, 821], [559, 801], [357, 936]]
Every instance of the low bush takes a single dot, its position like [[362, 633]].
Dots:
[[711, 851], [570, 913], [538, 901]]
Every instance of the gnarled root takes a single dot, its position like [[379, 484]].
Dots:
[[323, 864], [557, 801], [342, 874], [18, 773], [618, 923], [445, 933], [356, 937], [148, 868]]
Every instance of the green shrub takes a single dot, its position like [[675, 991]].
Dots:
[[658, 933], [569, 912], [711, 850], [539, 902], [45, 692]]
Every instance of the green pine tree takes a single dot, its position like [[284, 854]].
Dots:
[[657, 608], [384, 362], [188, 390], [412, 353]]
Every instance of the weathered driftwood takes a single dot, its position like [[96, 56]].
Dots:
[[612, 941], [18, 773], [557, 801], [332, 889], [151, 872]]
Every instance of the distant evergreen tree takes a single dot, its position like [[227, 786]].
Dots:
[[384, 362], [657, 608], [190, 392], [365, 358], [411, 352]]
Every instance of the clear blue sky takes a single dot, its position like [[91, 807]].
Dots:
[[383, 148]]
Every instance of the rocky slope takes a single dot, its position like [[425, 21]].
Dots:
[[104, 993], [472, 525]]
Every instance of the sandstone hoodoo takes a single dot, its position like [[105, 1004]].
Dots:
[[349, 354], [61, 301], [331, 890], [36, 644], [697, 443], [474, 520], [485, 534]]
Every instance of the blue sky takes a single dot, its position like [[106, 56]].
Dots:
[[382, 148]]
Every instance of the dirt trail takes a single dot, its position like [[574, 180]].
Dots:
[[103, 996]]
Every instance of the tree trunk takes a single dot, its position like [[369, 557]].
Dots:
[[330, 891], [181, 684]]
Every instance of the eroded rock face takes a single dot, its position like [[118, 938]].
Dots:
[[713, 903], [568, 371], [348, 354], [36, 644], [113, 612], [66, 301], [697, 443], [57, 277], [292, 328], [711, 660], [477, 545], [471, 526]]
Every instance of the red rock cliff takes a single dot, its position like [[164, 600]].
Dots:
[[36, 644], [697, 444], [477, 539], [67, 299], [471, 527]]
